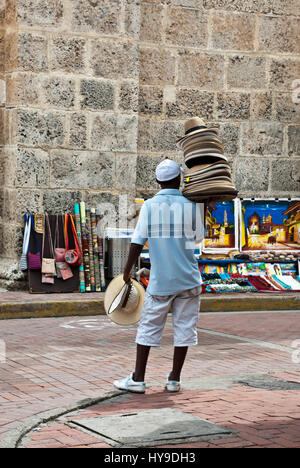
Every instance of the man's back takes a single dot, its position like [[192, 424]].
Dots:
[[171, 223]]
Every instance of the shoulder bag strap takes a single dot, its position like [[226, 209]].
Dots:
[[34, 234], [66, 231], [78, 248], [56, 237], [26, 233], [50, 236]]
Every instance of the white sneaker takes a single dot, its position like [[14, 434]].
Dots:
[[172, 385], [130, 385]]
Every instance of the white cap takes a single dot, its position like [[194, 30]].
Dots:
[[167, 170]]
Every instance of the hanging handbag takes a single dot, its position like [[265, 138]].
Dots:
[[72, 256], [48, 264], [34, 259], [23, 260], [59, 251], [63, 270], [39, 223]]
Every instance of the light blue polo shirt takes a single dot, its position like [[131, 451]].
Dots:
[[171, 223]]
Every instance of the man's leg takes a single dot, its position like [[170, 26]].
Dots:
[[142, 353], [178, 361], [185, 310]]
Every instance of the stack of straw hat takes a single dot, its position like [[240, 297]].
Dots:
[[208, 176]]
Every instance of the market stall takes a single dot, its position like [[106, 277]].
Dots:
[[250, 246]]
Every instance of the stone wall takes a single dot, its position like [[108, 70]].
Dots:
[[97, 92]]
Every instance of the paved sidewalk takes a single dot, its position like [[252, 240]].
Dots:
[[54, 363]]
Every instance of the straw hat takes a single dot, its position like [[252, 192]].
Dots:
[[123, 302], [193, 126]]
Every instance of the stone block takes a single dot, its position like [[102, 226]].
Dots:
[[285, 175], [40, 12], [283, 72], [59, 92], [144, 142], [2, 175], [11, 240], [129, 96], [165, 133], [125, 172], [31, 168], [23, 88], [78, 130], [2, 52], [2, 12], [229, 134], [262, 138], [164, 2], [35, 128], [69, 54], [246, 72], [8, 156], [233, 31], [186, 27], [145, 171], [56, 201], [277, 7], [200, 70], [10, 125], [114, 133], [107, 204], [252, 175], [113, 59], [132, 20], [11, 12], [188, 3], [97, 16], [151, 22], [261, 106], [97, 95], [277, 34], [90, 169], [235, 106], [17, 201], [294, 140], [191, 102], [2, 127], [32, 52], [150, 100], [285, 109], [157, 66], [11, 51]]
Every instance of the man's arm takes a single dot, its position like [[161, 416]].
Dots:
[[134, 253]]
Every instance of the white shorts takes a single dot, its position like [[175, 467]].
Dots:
[[184, 306]]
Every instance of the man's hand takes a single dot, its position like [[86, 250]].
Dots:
[[126, 277], [134, 253]]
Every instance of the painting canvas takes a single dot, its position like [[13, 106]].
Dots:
[[222, 227], [270, 225]]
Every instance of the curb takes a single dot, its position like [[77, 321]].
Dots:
[[85, 307], [14, 437], [39, 309]]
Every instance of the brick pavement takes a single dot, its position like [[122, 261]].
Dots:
[[53, 362]]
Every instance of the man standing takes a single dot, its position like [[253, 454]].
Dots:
[[171, 223]]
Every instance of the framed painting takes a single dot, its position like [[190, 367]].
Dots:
[[222, 226], [270, 225]]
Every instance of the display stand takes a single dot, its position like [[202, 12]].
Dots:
[[35, 276]]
